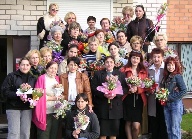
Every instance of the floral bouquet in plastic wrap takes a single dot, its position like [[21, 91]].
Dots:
[[133, 81], [169, 53], [162, 95], [109, 38], [118, 24], [36, 95], [60, 108], [96, 65], [58, 89], [24, 90], [118, 64], [149, 84], [82, 65], [81, 121]]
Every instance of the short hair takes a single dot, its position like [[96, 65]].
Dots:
[[56, 28], [74, 25], [157, 51], [53, 4], [141, 6], [128, 8], [136, 38], [49, 64], [160, 34], [68, 15], [44, 50], [113, 43], [93, 39], [91, 18], [83, 96], [104, 19], [98, 31], [109, 57], [31, 52], [76, 60], [23, 58], [121, 31]]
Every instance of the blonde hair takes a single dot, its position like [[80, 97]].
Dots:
[[69, 15], [129, 9], [94, 39], [31, 52], [44, 50], [136, 38], [53, 4], [160, 34]]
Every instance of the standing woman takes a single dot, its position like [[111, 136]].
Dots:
[[127, 13], [141, 26], [18, 112], [109, 115], [71, 52], [173, 110], [47, 124], [43, 25], [133, 102]]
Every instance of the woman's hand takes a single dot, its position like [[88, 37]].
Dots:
[[133, 89], [90, 108], [76, 133]]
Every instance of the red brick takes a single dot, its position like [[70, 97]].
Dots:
[[188, 39], [174, 18], [178, 39], [180, 14], [189, 6], [184, 10], [178, 6], [184, 2], [184, 18], [190, 35], [183, 35], [190, 27], [173, 1]]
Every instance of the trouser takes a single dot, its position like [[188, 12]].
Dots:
[[19, 123], [51, 128], [173, 116]]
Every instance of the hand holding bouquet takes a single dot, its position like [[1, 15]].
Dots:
[[23, 90], [162, 95], [133, 82], [60, 108], [58, 89], [36, 95], [81, 121], [149, 84]]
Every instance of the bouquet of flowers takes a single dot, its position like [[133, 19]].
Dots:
[[122, 52], [82, 47], [162, 95], [96, 65], [149, 84], [56, 51], [82, 65], [118, 64], [83, 36], [57, 23], [58, 89], [109, 37], [162, 11], [118, 24], [133, 81], [111, 86], [60, 108], [36, 95], [169, 53], [81, 121], [23, 90]]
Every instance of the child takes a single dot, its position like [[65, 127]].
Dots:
[[173, 110], [92, 130]]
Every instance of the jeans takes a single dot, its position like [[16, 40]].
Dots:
[[19, 123], [173, 116]]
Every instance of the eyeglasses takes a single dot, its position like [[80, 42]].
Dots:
[[159, 40], [135, 43], [54, 10]]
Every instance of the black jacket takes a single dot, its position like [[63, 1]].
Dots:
[[101, 107], [91, 132], [9, 88]]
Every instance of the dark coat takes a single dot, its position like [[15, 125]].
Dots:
[[139, 27], [9, 88], [101, 106], [91, 132]]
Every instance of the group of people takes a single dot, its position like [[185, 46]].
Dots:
[[125, 56]]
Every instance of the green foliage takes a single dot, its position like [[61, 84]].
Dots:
[[186, 126]]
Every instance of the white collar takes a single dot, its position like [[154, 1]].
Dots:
[[154, 68], [72, 74]]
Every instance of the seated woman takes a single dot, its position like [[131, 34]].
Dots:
[[75, 82], [92, 131], [71, 52], [114, 50], [46, 55]]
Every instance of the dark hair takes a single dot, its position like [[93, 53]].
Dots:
[[107, 57], [91, 18], [49, 64], [156, 51], [144, 15], [178, 67], [23, 58], [121, 31], [74, 59], [140, 65], [72, 46], [98, 31], [83, 96], [113, 43], [105, 19]]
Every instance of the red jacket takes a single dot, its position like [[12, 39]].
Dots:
[[142, 74]]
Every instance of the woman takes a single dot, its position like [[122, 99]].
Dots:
[[127, 13], [114, 51], [34, 59], [155, 110], [75, 82], [43, 25], [17, 109], [123, 43], [46, 55], [144, 26], [134, 101], [92, 130], [160, 40], [173, 110], [47, 124], [109, 115], [72, 52]]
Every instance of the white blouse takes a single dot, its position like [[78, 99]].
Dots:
[[72, 92]]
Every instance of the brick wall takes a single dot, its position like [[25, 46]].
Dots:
[[179, 21], [19, 17]]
